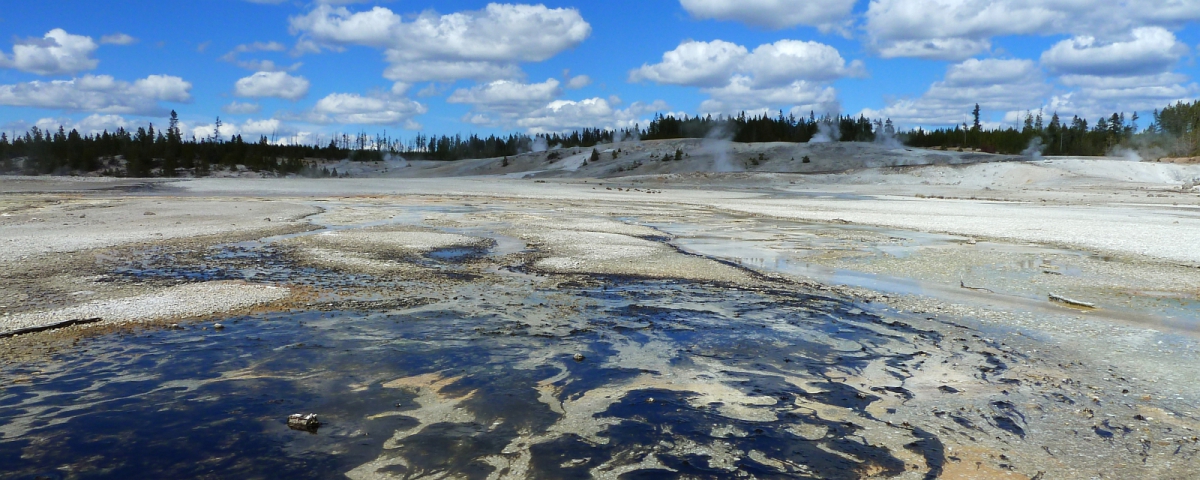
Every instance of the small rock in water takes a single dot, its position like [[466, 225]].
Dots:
[[176, 326], [218, 327], [308, 423], [579, 357], [971, 241], [148, 213]]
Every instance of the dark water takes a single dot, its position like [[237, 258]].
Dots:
[[205, 403]]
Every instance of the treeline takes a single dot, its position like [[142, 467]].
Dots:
[[444, 147], [146, 152], [149, 152], [1053, 137], [763, 128], [1173, 131], [1176, 130]]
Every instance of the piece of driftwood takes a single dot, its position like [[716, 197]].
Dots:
[[963, 284], [53, 326], [1068, 301]]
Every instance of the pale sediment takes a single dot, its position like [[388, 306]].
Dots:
[[613, 254], [184, 301]]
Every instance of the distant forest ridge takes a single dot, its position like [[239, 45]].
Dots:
[[1172, 131]]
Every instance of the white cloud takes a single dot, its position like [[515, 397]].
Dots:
[[227, 131], [785, 61], [535, 107], [96, 123], [271, 127], [253, 47], [798, 97], [791, 74], [451, 46], [57, 53], [578, 82], [504, 102], [771, 13], [975, 72], [1095, 96], [693, 63], [563, 115], [712, 64], [118, 39], [508, 96], [272, 84], [378, 109], [241, 108], [267, 66], [99, 93], [994, 84], [90, 125], [448, 71], [258, 65], [957, 29], [1149, 50], [934, 48]]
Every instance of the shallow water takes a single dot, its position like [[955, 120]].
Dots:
[[787, 247], [206, 402]]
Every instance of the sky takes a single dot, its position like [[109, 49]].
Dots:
[[305, 71]]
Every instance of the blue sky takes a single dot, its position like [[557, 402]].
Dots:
[[303, 71]]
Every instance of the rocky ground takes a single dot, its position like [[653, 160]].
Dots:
[[887, 322]]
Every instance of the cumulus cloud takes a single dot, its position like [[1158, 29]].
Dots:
[[994, 84], [788, 73], [99, 93], [505, 102], [258, 65], [1095, 96], [448, 71], [451, 46], [934, 48], [375, 109], [693, 63], [774, 14], [741, 94], [712, 64], [563, 115], [57, 53], [277, 131], [1128, 72], [241, 108], [783, 62], [90, 125], [536, 107], [118, 39], [957, 29], [1149, 50], [271, 127], [253, 47], [272, 84], [508, 96], [227, 131], [578, 82]]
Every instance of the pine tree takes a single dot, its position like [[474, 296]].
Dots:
[[216, 135]]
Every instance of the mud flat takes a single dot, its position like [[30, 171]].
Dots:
[[685, 325]]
